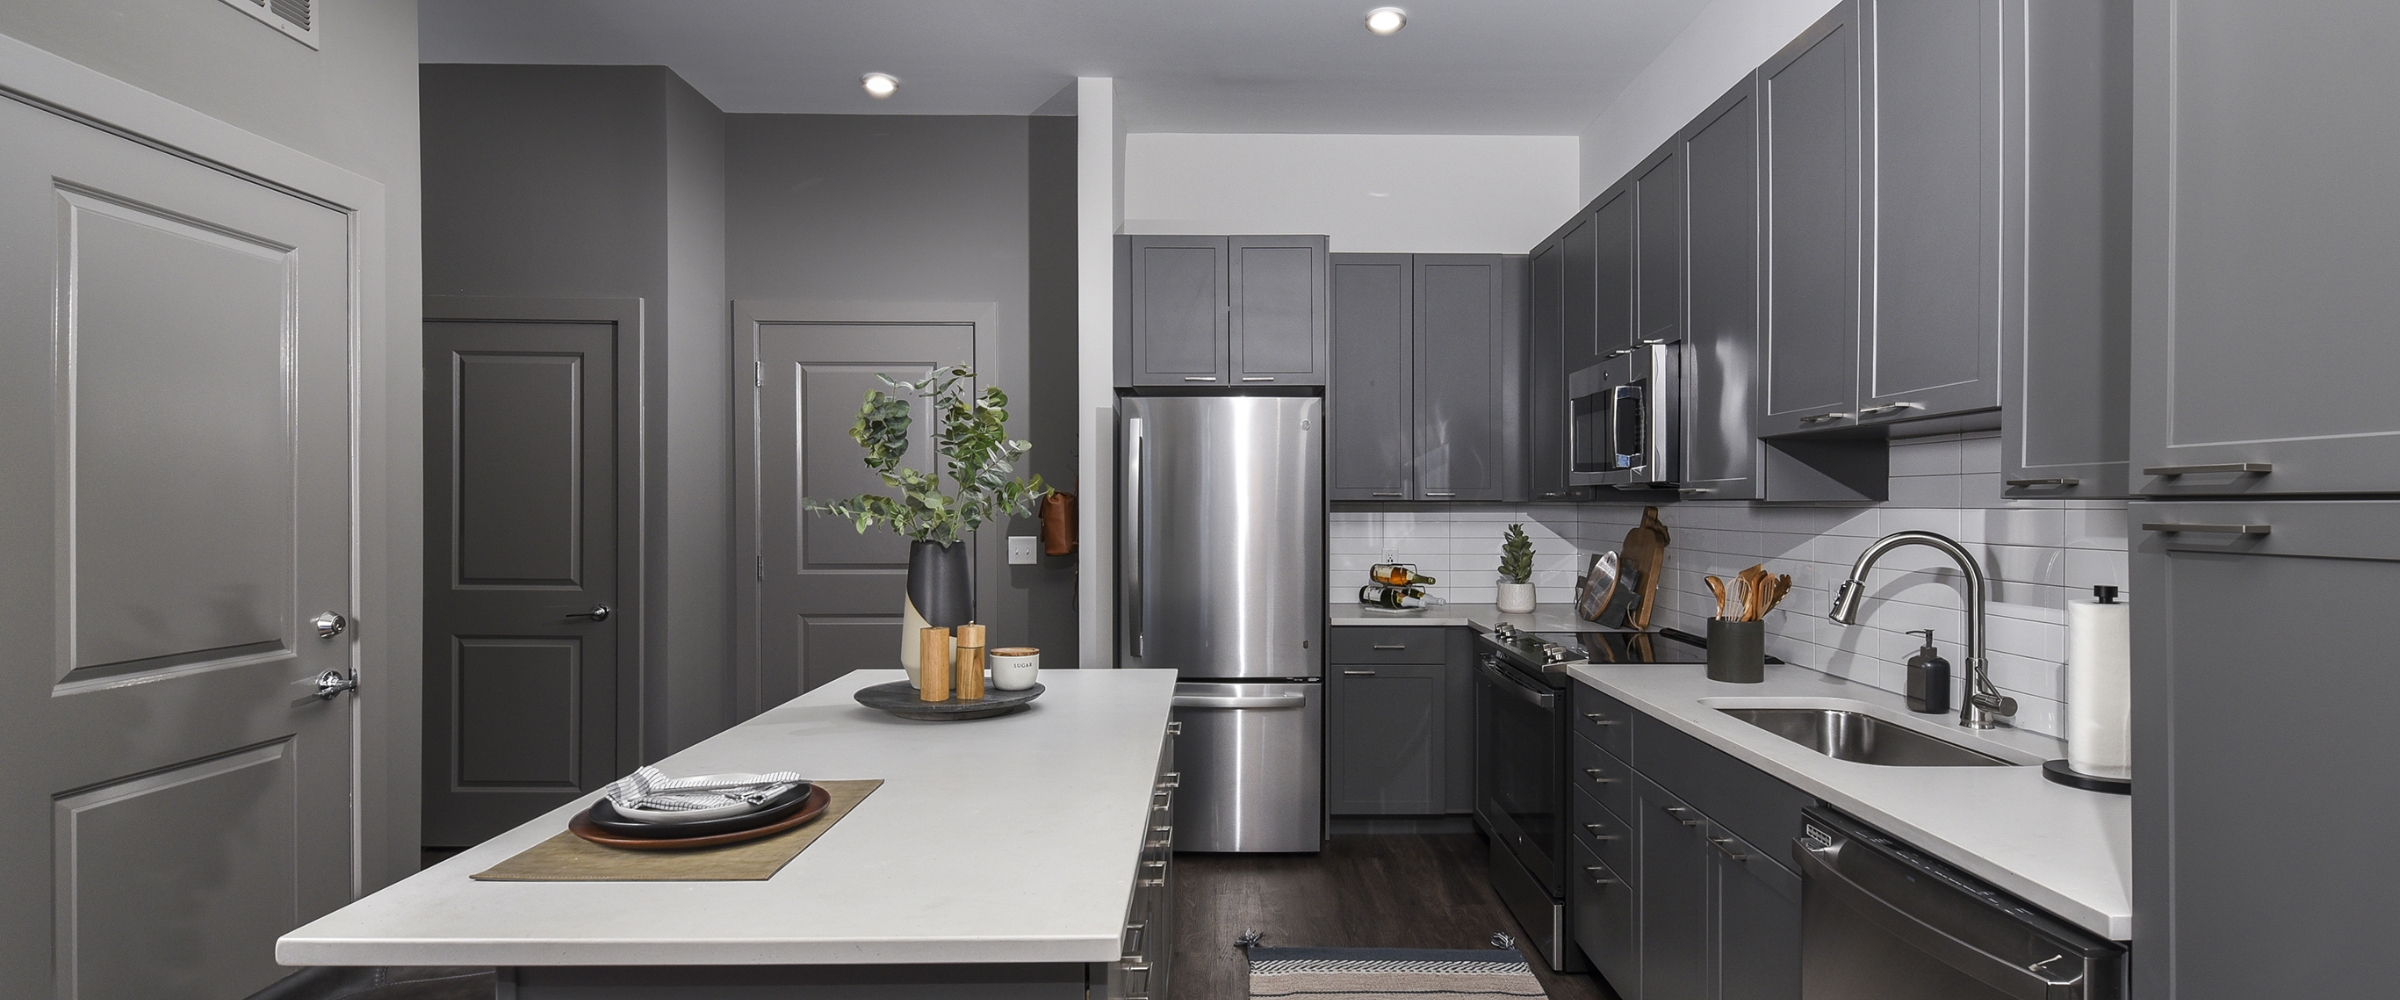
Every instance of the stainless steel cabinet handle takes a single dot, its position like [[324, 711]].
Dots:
[[332, 682], [2171, 527], [1155, 865], [329, 624], [1721, 842], [1599, 719], [1678, 813], [1877, 411], [1358, 673], [2245, 468], [1593, 872], [1595, 774], [1175, 728], [2043, 482], [1258, 378], [1441, 493], [1391, 645], [1134, 933], [599, 613], [1171, 779], [1595, 829], [1136, 446], [1199, 378], [1153, 883], [1399, 493], [1823, 417]]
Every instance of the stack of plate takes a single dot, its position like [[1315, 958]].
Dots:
[[648, 811]]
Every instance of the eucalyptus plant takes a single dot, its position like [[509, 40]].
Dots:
[[1516, 555], [976, 453]]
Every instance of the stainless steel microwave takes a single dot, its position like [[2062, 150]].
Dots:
[[1625, 419]]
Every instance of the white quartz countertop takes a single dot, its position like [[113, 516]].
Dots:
[[1012, 839], [1543, 617], [2065, 850]]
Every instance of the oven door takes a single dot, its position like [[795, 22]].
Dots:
[[1625, 416], [1520, 770]]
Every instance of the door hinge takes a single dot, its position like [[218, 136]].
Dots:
[[758, 375]]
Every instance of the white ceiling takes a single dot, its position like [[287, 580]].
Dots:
[[1467, 67]]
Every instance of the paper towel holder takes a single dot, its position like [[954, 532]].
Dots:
[[2058, 771]]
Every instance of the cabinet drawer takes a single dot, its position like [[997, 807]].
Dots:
[[1602, 776], [1604, 720], [1387, 644], [1604, 921], [1748, 802], [1604, 831]]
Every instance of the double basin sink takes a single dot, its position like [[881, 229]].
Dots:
[[1859, 737]]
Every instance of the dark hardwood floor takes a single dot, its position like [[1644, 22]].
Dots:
[[1368, 891]]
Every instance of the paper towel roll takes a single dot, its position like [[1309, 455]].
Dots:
[[2099, 689]]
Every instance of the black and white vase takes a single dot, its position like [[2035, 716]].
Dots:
[[941, 594]]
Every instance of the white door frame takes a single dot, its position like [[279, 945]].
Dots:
[[383, 498]]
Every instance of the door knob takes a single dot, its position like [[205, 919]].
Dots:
[[599, 613], [333, 682], [329, 624]]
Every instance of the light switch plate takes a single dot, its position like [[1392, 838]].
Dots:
[[1021, 551]]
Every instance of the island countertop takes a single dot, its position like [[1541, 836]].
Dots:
[[1013, 839]]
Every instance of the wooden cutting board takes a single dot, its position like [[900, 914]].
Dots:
[[1646, 551]]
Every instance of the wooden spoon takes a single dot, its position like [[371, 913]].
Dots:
[[1717, 587], [1754, 582], [1775, 594]]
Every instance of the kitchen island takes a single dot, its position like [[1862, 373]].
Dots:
[[1000, 858]]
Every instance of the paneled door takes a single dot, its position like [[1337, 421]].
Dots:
[[829, 597], [176, 519], [522, 609]]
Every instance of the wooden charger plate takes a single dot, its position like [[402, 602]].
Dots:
[[582, 826]]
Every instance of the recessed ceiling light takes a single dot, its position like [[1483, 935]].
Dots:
[[1386, 20], [879, 85]]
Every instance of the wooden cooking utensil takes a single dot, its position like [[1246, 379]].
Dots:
[[1754, 591], [1717, 587], [1783, 587]]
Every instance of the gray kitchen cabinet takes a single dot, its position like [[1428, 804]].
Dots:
[[1808, 99], [2066, 363], [1604, 919], [1458, 683], [1658, 206], [1278, 309], [1370, 397], [1201, 311], [1428, 387], [1546, 458], [1173, 325], [1673, 896], [1388, 734], [1579, 295], [1720, 361], [1930, 83], [1754, 924], [2266, 238], [1614, 219], [2232, 901]]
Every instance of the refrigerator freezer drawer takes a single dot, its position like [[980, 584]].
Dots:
[[1252, 757]]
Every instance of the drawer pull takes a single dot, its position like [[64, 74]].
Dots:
[[1199, 378], [1596, 775], [1358, 673], [2060, 482], [2171, 527], [1441, 493], [1721, 842], [1395, 493], [1877, 411], [1595, 828], [2245, 468], [1678, 813], [1258, 378], [1598, 719], [1391, 645], [1823, 417], [1175, 728], [1593, 872], [1152, 883], [1171, 779]]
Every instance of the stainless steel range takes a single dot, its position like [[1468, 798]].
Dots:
[[1522, 752]]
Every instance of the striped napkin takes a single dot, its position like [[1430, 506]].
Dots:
[[649, 789]]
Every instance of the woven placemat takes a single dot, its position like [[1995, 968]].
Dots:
[[569, 858]]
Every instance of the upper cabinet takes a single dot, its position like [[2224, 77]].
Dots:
[[2268, 238], [1427, 396], [1720, 362], [1546, 458], [1614, 228], [1658, 186], [1808, 95], [1221, 310]]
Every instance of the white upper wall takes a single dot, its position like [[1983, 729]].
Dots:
[[1370, 193], [1728, 39]]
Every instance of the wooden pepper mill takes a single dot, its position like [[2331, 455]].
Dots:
[[933, 664], [970, 662]]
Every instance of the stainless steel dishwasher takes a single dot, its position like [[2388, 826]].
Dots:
[[1883, 921]]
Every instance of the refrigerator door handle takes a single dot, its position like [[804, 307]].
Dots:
[[1135, 445], [1265, 701]]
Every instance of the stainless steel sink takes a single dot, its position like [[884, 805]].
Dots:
[[1861, 738]]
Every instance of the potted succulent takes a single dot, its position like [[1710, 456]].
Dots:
[[979, 458], [1516, 571]]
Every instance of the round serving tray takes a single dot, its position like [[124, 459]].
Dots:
[[605, 815], [812, 807], [900, 699]]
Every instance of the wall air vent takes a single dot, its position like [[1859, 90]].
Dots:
[[296, 18]]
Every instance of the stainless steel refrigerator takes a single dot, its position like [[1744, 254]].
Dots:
[[1221, 578]]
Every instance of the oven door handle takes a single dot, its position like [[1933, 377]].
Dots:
[[1999, 973], [1500, 679]]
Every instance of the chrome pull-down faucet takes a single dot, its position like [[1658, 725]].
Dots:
[[1984, 706]]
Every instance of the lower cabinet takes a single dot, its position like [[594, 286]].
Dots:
[[1605, 926], [1400, 721], [1147, 947]]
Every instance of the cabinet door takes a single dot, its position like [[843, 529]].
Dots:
[[1808, 96], [1278, 309], [1658, 194], [1604, 921], [1756, 945], [1614, 222], [2266, 238], [1720, 363], [1546, 377], [1674, 892], [2224, 877], [1177, 321], [2065, 358], [1463, 392], [1579, 297], [1369, 400], [1386, 739]]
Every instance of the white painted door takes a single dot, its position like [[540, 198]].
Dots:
[[176, 507]]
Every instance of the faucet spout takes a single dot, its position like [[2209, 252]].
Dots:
[[1984, 706]]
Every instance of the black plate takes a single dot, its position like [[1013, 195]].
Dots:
[[605, 816], [900, 699]]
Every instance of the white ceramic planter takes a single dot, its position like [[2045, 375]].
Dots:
[[1516, 598]]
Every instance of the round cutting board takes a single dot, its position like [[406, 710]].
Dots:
[[900, 699]]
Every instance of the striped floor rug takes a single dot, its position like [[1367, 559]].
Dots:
[[1390, 974]]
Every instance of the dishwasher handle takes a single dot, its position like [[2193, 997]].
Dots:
[[1237, 702], [2021, 981]]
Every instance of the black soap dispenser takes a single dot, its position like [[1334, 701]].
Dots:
[[1928, 677]]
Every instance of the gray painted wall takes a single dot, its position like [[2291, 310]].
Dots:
[[352, 103], [566, 181], [900, 208]]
